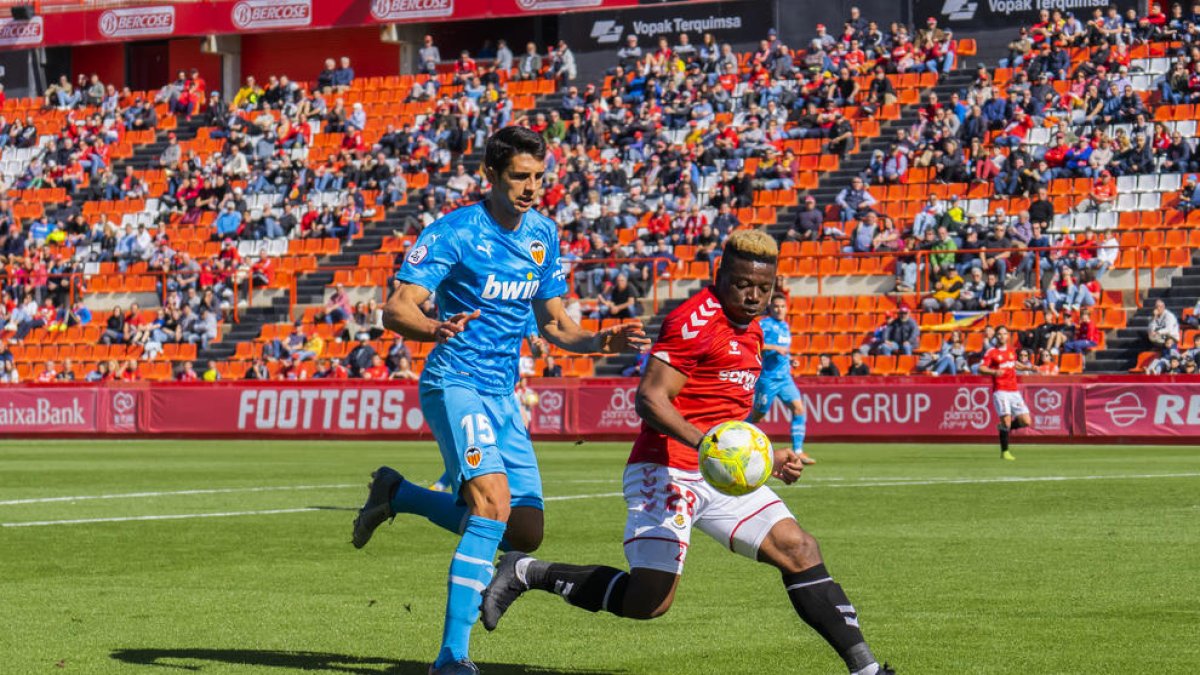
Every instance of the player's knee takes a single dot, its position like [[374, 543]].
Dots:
[[797, 551], [646, 607], [524, 539], [798, 407]]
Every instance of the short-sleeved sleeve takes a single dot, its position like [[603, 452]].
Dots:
[[990, 360], [680, 344], [554, 277], [431, 258]]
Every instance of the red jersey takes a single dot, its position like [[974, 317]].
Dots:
[[722, 362], [1005, 361]]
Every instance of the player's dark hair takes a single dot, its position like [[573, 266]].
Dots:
[[778, 296], [509, 142]]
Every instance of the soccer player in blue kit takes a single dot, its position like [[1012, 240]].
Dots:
[[776, 380], [491, 265]]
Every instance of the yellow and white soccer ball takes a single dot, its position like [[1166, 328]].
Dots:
[[530, 398], [736, 458]]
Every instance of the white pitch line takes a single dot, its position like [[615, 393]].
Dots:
[[558, 498], [174, 493], [175, 516]]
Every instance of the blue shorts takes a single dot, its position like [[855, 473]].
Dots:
[[768, 388], [480, 434]]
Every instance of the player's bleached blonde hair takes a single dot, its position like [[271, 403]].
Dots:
[[753, 245]]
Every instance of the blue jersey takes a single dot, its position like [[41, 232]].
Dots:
[[776, 334], [470, 262]]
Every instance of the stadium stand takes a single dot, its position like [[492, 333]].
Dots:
[[258, 233]]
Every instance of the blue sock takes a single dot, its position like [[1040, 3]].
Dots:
[[799, 428], [440, 508], [470, 571]]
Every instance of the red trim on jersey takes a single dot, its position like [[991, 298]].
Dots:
[[743, 520], [669, 541]]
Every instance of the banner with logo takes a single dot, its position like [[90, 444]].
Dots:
[[989, 14], [33, 410], [549, 415], [285, 409], [863, 410], [733, 22], [217, 17], [1107, 409], [1164, 409]]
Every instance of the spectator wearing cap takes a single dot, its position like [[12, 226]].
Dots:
[[807, 226], [902, 334], [1189, 194], [229, 223], [841, 136], [1101, 197]]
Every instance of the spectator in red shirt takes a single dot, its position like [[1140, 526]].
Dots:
[[377, 371], [188, 374], [1103, 195], [1087, 335]]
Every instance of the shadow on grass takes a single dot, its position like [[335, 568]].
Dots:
[[200, 660]]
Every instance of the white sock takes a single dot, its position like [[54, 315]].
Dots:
[[520, 569], [869, 670]]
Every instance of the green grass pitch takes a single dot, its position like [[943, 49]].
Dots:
[[1070, 560]]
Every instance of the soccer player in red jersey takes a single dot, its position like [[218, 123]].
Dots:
[[702, 373], [1001, 363]]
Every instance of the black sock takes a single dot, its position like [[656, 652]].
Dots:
[[590, 587], [1018, 424], [822, 604], [1004, 431]]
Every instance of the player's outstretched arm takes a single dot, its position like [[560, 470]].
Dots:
[[403, 314], [562, 331], [659, 386]]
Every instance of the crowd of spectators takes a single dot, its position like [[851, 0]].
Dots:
[[662, 148]]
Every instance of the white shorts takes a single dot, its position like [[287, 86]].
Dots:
[[1009, 403], [663, 504]]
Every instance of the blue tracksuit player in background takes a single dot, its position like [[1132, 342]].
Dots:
[[776, 379], [491, 265]]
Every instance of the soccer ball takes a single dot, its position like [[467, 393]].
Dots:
[[736, 458], [530, 399]]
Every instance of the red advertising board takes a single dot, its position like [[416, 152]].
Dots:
[[38, 410], [284, 409], [942, 409], [1135, 411], [863, 409], [245, 16]]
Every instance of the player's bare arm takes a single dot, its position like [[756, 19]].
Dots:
[[402, 314], [659, 386], [560, 330]]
